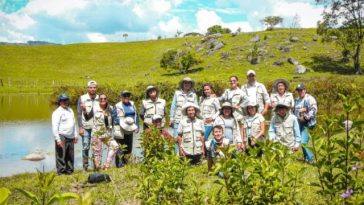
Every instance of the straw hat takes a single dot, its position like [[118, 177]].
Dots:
[[276, 82], [128, 124], [149, 88], [186, 79], [251, 104]]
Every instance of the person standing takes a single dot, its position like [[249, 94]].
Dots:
[[305, 110], [101, 133], [281, 94], [284, 128], [210, 108], [256, 92], [65, 135], [126, 123], [152, 105], [85, 109], [191, 140], [181, 97]]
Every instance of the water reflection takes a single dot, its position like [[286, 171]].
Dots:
[[25, 126]]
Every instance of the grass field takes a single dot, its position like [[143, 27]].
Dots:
[[40, 68]]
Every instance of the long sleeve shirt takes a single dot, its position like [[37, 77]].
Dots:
[[63, 123]]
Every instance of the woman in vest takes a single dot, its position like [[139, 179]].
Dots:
[[230, 125], [152, 105], [254, 126], [281, 94], [125, 113], [210, 107], [101, 133], [237, 98], [284, 128], [181, 97], [191, 142]]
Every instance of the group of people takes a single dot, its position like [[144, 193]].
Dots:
[[200, 126]]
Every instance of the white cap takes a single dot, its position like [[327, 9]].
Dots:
[[250, 72], [128, 124], [91, 82]]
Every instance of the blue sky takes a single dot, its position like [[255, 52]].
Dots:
[[75, 21]]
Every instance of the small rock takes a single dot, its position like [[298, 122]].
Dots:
[[305, 48], [255, 38], [34, 157], [286, 48], [218, 46], [225, 55], [294, 39], [154, 68], [315, 38], [234, 34], [300, 69], [278, 63], [292, 61], [263, 52]]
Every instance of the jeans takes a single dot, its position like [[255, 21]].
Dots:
[[175, 135], [208, 129], [65, 156], [305, 138], [86, 141]]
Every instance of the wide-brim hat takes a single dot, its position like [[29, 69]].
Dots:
[[128, 124], [282, 104], [149, 88], [250, 104], [189, 104], [226, 104], [186, 79], [124, 92], [276, 82]]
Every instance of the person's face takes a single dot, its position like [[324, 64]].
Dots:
[[251, 78], [187, 86], [191, 112], [92, 89], [158, 123], [125, 98], [251, 110], [207, 91], [281, 88], [233, 82], [102, 100], [281, 111], [64, 103], [218, 134], [152, 94], [301, 93], [226, 111]]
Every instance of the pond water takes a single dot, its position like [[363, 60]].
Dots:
[[25, 127]]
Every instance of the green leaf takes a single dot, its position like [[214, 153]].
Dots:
[[62, 197], [4, 195], [29, 195]]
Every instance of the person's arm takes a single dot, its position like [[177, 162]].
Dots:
[[75, 128], [114, 116], [179, 140], [266, 100], [297, 133], [56, 119], [262, 129], [142, 112], [223, 97], [136, 116], [196, 100], [272, 130], [311, 108], [79, 113], [173, 109]]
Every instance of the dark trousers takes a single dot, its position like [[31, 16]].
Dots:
[[65, 156], [120, 154], [194, 159]]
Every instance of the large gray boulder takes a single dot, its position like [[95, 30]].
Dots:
[[300, 69]]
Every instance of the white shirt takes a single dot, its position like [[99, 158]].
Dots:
[[252, 93], [63, 123]]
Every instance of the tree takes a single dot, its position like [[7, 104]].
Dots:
[[271, 21], [344, 19], [125, 35], [178, 60], [217, 29]]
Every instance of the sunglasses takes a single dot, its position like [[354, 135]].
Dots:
[[103, 98]]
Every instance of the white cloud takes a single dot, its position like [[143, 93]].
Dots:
[[205, 19], [170, 26], [96, 37], [54, 7], [19, 21]]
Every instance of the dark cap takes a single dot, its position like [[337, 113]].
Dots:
[[125, 93], [300, 86]]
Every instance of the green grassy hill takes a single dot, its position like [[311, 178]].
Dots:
[[39, 68]]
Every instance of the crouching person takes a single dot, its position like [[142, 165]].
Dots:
[[191, 134], [101, 133], [212, 146], [284, 128]]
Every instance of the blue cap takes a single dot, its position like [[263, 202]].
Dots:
[[300, 86], [63, 97]]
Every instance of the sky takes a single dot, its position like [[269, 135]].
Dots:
[[81, 21]]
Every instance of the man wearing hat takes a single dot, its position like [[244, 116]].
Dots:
[[305, 110], [284, 128], [152, 105], [180, 98], [126, 123], [65, 135], [85, 112], [191, 140], [281, 94], [256, 92]]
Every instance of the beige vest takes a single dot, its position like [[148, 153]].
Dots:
[[259, 95], [182, 98], [118, 132], [251, 126], [151, 108], [209, 107], [100, 129], [90, 104], [191, 136], [284, 129]]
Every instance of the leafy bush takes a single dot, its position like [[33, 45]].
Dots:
[[4, 195], [179, 60], [217, 29]]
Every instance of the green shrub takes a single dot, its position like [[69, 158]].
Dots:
[[179, 60]]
